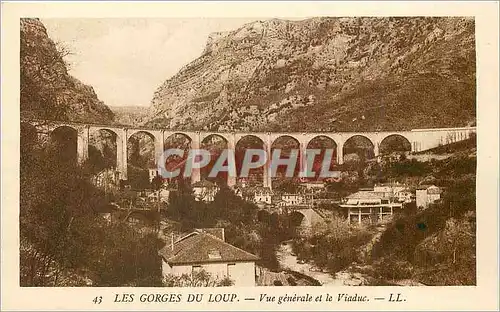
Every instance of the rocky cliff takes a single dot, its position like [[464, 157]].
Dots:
[[47, 90], [326, 74], [129, 115]]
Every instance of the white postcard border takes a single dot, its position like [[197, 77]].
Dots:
[[484, 296]]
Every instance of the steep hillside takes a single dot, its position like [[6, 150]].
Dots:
[[435, 246], [321, 74], [129, 115], [47, 90]]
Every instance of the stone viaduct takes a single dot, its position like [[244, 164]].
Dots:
[[419, 140], [310, 217]]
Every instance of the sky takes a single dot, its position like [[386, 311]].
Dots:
[[126, 60]]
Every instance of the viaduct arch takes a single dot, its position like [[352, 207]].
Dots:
[[305, 217]]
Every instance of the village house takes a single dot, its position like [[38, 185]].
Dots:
[[206, 249], [369, 207], [238, 191], [258, 195], [314, 186], [389, 189], [153, 172], [163, 194], [205, 191], [292, 199], [239, 188], [405, 196], [426, 195]]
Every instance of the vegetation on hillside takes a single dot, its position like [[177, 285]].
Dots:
[[64, 240], [436, 246], [334, 246], [48, 91], [327, 74], [245, 227]]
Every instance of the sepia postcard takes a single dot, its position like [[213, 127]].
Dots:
[[250, 156]]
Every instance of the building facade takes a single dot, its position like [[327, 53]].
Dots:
[[389, 189], [426, 195], [369, 207], [205, 191], [207, 251], [292, 199]]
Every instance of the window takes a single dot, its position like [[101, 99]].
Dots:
[[214, 254], [196, 269], [231, 269], [386, 209]]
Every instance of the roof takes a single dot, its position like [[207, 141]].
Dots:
[[200, 247], [426, 186], [314, 182], [217, 232], [365, 195], [257, 189], [204, 183], [389, 184]]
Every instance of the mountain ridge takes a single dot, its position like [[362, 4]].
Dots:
[[48, 91], [342, 74]]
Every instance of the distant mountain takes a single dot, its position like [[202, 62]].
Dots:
[[48, 91], [129, 115], [326, 74]]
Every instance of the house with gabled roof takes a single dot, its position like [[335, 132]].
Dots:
[[257, 195], [207, 250], [205, 191]]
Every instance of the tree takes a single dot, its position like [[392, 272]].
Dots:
[[138, 178], [198, 279], [228, 206], [287, 185], [64, 241], [157, 182]]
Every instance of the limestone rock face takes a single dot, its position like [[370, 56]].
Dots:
[[326, 74], [48, 91]]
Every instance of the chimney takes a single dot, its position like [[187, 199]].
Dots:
[[223, 237], [172, 241]]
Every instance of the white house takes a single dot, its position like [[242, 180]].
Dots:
[[153, 172], [206, 250], [405, 196], [258, 195], [205, 191], [163, 194], [427, 194], [389, 189], [314, 185], [263, 195], [369, 207], [292, 199]]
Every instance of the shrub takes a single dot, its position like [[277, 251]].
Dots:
[[291, 281], [393, 269], [199, 279]]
